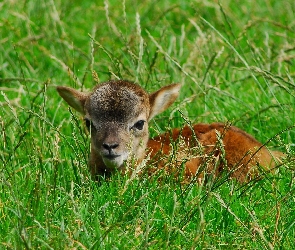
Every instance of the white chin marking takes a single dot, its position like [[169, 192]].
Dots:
[[115, 163]]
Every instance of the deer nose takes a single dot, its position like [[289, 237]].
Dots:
[[109, 146]]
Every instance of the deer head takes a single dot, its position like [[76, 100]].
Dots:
[[117, 114]]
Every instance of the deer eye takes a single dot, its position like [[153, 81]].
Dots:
[[139, 125], [88, 123]]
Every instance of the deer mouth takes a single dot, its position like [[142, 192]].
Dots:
[[111, 157], [112, 161]]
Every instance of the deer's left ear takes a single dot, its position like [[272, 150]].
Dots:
[[162, 99], [74, 98]]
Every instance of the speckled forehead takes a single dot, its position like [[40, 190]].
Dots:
[[116, 102]]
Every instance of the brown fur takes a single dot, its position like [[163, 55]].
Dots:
[[119, 111], [242, 152]]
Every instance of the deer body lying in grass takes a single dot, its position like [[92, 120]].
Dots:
[[117, 115]]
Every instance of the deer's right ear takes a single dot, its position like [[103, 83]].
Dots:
[[74, 98]]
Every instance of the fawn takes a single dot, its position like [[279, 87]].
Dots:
[[117, 113]]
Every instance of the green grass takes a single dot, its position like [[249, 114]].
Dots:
[[235, 60]]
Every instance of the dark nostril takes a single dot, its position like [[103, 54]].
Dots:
[[110, 146]]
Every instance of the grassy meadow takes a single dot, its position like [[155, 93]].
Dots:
[[236, 62]]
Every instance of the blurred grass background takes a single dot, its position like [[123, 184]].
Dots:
[[235, 60]]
